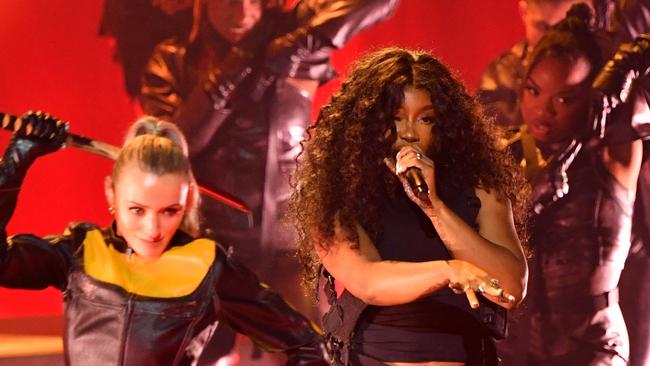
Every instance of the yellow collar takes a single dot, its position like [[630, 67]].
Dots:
[[178, 272]]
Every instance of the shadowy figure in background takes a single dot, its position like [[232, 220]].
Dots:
[[137, 26], [427, 274], [146, 290], [583, 160], [241, 89]]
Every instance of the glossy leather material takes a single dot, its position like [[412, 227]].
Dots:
[[329, 24], [107, 325], [580, 241], [580, 246], [18, 157], [625, 19]]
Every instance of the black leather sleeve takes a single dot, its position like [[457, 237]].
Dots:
[[632, 18], [32, 262], [317, 27], [624, 83], [161, 80], [27, 261], [255, 310], [198, 112], [337, 21]]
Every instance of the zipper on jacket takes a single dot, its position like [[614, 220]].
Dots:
[[125, 330]]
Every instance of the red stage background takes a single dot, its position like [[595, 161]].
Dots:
[[53, 60]]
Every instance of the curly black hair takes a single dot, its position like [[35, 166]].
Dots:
[[341, 175]]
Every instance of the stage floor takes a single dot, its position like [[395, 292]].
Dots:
[[38, 341], [31, 341]]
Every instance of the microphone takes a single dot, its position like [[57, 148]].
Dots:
[[416, 180]]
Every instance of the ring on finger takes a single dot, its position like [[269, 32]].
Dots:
[[494, 283], [481, 288]]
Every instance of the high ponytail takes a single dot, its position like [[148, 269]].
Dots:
[[581, 13], [572, 38]]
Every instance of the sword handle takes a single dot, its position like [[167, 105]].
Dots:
[[13, 123]]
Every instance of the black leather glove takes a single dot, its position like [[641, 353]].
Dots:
[[36, 134], [631, 61], [39, 134], [226, 77], [284, 53]]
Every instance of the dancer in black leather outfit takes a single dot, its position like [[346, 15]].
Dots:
[[145, 290], [584, 174], [499, 91]]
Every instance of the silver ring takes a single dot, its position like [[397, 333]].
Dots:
[[418, 156]]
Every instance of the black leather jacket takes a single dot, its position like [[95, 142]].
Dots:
[[580, 237], [114, 318], [580, 242]]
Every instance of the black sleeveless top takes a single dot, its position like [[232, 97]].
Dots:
[[439, 327]]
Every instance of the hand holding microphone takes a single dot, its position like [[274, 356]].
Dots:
[[416, 179], [416, 171]]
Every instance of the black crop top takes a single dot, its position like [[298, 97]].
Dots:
[[439, 327]]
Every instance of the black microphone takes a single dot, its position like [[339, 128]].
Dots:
[[418, 184]]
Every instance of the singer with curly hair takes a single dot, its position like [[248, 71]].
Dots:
[[405, 200]]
